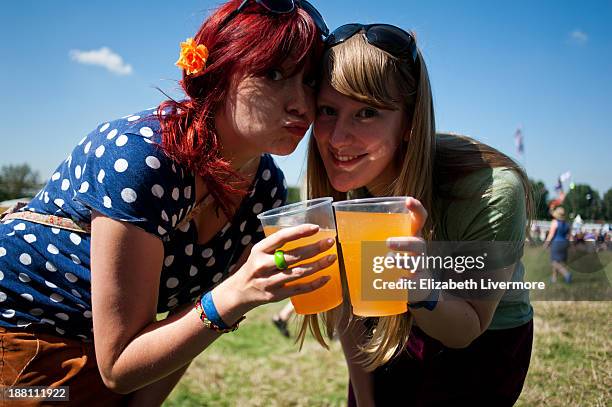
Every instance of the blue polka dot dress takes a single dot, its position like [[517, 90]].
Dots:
[[120, 171]]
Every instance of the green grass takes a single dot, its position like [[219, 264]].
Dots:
[[256, 366]]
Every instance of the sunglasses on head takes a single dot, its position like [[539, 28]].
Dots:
[[389, 38], [283, 7]]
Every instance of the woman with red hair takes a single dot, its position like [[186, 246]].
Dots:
[[156, 211]]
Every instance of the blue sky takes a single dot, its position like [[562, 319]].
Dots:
[[494, 66]]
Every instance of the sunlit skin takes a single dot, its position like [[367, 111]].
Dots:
[[266, 114], [357, 142]]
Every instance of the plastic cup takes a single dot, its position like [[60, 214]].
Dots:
[[369, 220], [319, 212]]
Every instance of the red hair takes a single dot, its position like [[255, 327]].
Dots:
[[251, 43]]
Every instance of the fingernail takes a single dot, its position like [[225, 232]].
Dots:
[[313, 227], [330, 258], [330, 241]]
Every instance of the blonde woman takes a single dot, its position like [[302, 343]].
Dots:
[[374, 135], [558, 240]]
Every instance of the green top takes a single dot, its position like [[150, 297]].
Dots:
[[492, 209]]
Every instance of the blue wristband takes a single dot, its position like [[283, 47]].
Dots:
[[429, 303], [211, 311]]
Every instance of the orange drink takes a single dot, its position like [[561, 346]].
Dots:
[[317, 212], [370, 220], [330, 295]]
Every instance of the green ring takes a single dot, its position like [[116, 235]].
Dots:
[[279, 260]]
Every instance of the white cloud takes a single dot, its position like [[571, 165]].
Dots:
[[578, 37], [104, 57]]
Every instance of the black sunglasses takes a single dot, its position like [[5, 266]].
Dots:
[[387, 37], [283, 7]]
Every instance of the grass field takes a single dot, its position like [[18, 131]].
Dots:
[[256, 366]]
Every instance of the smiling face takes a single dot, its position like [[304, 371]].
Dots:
[[357, 142], [268, 114]]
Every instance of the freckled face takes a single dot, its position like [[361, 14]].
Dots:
[[357, 142]]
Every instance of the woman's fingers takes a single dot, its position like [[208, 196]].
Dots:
[[278, 239], [418, 214], [303, 270], [407, 244], [296, 289]]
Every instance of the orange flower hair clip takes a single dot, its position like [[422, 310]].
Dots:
[[193, 57]]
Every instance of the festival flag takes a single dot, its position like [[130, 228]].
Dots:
[[518, 142]]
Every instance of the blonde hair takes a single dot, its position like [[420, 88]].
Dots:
[[368, 74]]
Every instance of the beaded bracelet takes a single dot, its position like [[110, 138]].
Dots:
[[211, 325]]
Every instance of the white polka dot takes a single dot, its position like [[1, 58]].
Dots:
[[69, 160], [184, 228], [9, 313], [217, 277], [50, 284], [24, 278], [84, 187], [273, 192], [153, 162], [193, 271], [55, 176], [82, 140], [1, 275], [74, 238], [104, 127], [62, 316], [106, 201], [225, 228], [174, 220], [246, 240], [194, 289], [76, 293], [71, 277], [77, 171], [243, 225], [187, 192], [266, 175], [228, 244], [175, 194], [36, 311], [59, 202], [65, 185], [157, 191], [87, 314], [2, 251], [164, 216], [257, 208], [52, 249], [161, 230], [87, 147], [172, 282], [47, 321], [111, 134], [55, 231], [46, 197], [128, 195], [260, 228], [168, 260], [101, 175], [211, 262], [189, 249], [121, 140], [29, 238], [277, 203], [20, 226], [27, 296], [50, 267], [121, 165], [207, 253], [21, 323], [25, 259], [146, 131], [75, 259], [100, 151], [60, 331], [133, 118], [3, 296], [56, 297], [173, 168]]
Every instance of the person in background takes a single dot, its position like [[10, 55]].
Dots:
[[558, 241]]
